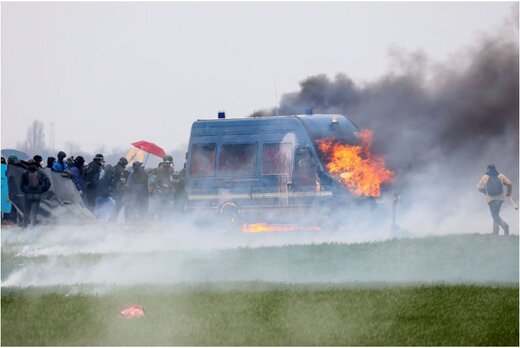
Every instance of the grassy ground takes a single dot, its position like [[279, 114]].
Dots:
[[266, 314]]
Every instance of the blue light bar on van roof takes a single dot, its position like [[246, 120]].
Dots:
[[221, 114], [308, 111]]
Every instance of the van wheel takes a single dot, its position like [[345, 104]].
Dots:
[[230, 217]]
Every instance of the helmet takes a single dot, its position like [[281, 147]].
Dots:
[[123, 161], [137, 164], [168, 158]]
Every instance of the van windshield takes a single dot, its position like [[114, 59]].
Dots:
[[334, 127]]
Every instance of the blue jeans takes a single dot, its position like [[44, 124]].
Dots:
[[494, 207]]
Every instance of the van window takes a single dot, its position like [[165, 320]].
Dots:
[[203, 160], [276, 158], [238, 160]]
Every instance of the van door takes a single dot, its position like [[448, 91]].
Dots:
[[237, 173], [305, 186], [276, 162]]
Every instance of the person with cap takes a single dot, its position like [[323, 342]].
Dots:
[[117, 186], [137, 202], [37, 160], [491, 184], [92, 176], [33, 184], [77, 173], [60, 164]]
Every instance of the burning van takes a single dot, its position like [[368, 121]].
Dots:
[[276, 167]]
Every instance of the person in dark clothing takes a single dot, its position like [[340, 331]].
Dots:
[[117, 186], [164, 188], [77, 173], [37, 159], [33, 184], [104, 202], [491, 185], [60, 165], [91, 180], [137, 203], [50, 162]]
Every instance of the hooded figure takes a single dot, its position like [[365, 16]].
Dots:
[[50, 162], [33, 184], [491, 184], [91, 180], [77, 173], [60, 165]]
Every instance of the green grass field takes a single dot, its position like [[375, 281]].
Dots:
[[457, 290], [270, 315]]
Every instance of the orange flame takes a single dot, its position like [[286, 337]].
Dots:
[[361, 171], [264, 227]]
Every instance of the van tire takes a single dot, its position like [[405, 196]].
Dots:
[[231, 217]]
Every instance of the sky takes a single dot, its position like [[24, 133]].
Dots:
[[108, 74]]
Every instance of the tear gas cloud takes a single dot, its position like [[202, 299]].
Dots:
[[98, 259]]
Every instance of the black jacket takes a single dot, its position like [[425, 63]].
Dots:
[[34, 182]]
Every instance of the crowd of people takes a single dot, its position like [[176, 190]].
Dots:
[[111, 192]]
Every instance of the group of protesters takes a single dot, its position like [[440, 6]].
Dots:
[[111, 192]]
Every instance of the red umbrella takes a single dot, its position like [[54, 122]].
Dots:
[[149, 147]]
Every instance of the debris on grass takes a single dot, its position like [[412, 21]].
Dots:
[[132, 311]]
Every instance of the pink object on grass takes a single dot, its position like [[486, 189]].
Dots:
[[132, 311]]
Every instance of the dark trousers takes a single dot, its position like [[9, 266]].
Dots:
[[90, 198], [494, 207], [32, 206]]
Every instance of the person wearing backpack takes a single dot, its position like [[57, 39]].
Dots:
[[33, 184], [491, 185]]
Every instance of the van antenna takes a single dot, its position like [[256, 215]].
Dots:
[[275, 96]]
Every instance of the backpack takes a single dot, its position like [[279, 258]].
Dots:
[[34, 180], [494, 186]]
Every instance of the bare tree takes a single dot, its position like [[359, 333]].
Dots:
[[35, 141]]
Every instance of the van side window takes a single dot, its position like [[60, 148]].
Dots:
[[276, 158], [203, 160], [238, 160]]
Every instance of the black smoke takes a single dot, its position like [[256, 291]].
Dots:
[[462, 112]]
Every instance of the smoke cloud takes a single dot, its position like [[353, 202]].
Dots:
[[437, 124]]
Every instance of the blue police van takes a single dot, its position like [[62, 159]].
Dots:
[[265, 168]]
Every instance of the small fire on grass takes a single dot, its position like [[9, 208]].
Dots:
[[356, 166], [265, 227]]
